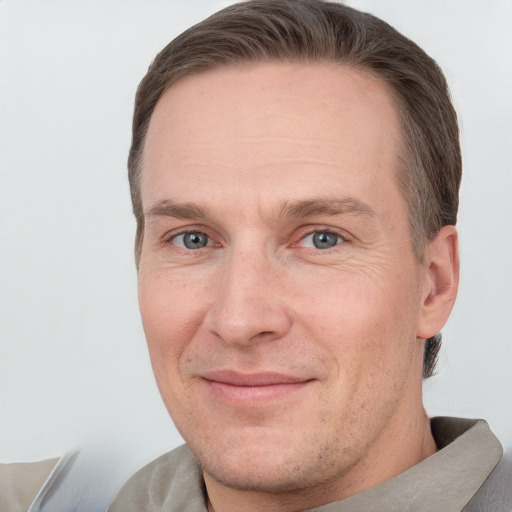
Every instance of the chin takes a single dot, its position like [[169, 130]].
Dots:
[[265, 462]]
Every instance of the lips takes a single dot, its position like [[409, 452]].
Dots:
[[254, 389], [251, 379]]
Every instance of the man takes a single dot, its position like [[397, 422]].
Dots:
[[294, 173]]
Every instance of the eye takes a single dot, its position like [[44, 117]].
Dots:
[[191, 240], [322, 240]]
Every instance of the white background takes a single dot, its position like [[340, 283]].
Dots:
[[74, 370]]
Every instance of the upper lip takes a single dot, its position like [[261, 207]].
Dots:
[[236, 378]]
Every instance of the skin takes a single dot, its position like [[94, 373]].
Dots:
[[292, 371]]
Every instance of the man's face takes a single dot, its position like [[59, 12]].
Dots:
[[277, 283]]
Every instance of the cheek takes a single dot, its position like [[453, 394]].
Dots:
[[365, 325], [170, 316], [364, 330]]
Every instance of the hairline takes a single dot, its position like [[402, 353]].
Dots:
[[405, 154]]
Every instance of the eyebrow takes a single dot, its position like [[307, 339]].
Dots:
[[325, 206], [168, 208], [291, 209]]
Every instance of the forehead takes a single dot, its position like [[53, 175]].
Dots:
[[274, 122]]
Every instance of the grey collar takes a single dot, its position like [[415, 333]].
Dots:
[[446, 481]]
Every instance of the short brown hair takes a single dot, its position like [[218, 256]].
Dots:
[[316, 31]]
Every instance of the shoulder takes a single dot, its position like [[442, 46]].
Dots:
[[172, 482], [22, 482], [495, 495], [475, 453]]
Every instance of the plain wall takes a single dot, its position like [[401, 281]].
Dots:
[[74, 369]]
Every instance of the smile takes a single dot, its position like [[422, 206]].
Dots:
[[250, 390]]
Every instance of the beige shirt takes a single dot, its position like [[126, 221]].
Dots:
[[24, 486], [444, 482]]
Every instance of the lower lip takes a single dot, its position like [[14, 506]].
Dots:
[[247, 396]]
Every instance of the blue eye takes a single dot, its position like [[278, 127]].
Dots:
[[192, 240], [322, 240]]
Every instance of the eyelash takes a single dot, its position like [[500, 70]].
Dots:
[[342, 239], [169, 239]]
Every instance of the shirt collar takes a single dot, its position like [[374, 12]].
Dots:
[[445, 481]]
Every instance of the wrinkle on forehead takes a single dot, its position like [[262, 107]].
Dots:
[[273, 133], [250, 105]]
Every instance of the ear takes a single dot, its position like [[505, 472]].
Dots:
[[441, 283]]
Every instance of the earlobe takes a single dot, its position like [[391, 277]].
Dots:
[[441, 283]]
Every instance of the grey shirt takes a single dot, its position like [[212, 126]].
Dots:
[[447, 481]]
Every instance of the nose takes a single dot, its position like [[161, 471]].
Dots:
[[249, 304]]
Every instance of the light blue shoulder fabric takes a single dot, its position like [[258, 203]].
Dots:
[[27, 486], [53, 483]]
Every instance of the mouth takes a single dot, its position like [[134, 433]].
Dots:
[[254, 389]]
